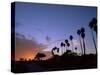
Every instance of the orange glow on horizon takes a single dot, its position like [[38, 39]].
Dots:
[[31, 55], [25, 55]]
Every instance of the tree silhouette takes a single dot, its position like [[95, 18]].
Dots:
[[62, 45], [79, 32], [71, 38], [93, 26], [39, 56], [66, 41], [58, 50], [68, 44], [21, 59], [53, 51], [94, 22], [83, 36], [76, 49]]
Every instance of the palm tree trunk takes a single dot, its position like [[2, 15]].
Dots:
[[72, 46], [84, 47], [94, 41], [61, 50], [81, 44], [66, 48]]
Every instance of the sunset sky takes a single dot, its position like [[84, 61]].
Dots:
[[40, 27]]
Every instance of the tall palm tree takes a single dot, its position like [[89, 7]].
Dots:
[[71, 38], [57, 50], [68, 44], [76, 49], [91, 25], [62, 45], [83, 36], [94, 21], [66, 41], [79, 32]]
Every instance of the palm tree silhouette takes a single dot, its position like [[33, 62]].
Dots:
[[76, 49], [66, 41], [71, 38], [68, 44], [93, 26], [94, 21], [58, 50], [79, 32], [83, 36], [53, 51], [62, 45]]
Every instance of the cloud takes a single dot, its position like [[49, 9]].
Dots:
[[27, 48]]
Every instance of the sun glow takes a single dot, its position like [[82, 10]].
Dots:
[[25, 55]]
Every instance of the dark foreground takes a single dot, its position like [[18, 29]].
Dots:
[[56, 63]]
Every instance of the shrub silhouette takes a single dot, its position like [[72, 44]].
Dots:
[[21, 59]]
